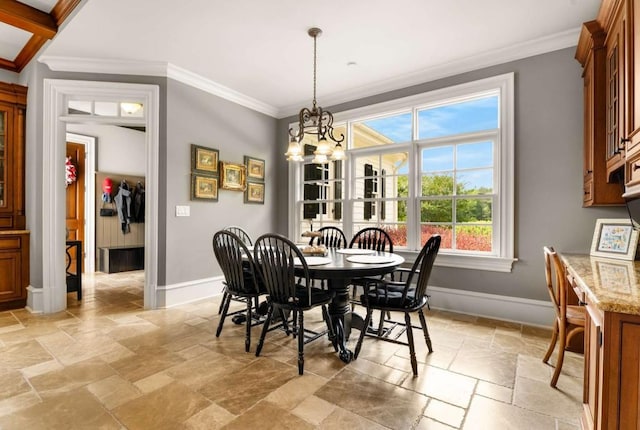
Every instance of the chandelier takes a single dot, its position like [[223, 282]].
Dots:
[[317, 122]]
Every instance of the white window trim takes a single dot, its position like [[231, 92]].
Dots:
[[505, 171]]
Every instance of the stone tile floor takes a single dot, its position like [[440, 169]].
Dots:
[[107, 363]]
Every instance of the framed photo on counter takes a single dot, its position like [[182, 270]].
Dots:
[[614, 238]]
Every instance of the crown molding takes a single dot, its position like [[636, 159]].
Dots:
[[151, 68], [211, 87], [518, 51]]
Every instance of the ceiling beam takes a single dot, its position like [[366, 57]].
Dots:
[[62, 9], [27, 18], [8, 65]]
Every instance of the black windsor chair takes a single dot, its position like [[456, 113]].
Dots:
[[241, 279], [388, 296], [332, 237], [281, 262]]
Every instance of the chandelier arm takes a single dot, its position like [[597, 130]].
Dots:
[[315, 121]]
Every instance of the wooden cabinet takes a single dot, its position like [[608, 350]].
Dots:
[[14, 269], [598, 191], [12, 158], [611, 396], [593, 338], [14, 240], [615, 78]]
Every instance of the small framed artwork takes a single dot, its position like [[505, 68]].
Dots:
[[204, 188], [233, 176], [614, 238], [254, 193], [204, 160], [255, 168]]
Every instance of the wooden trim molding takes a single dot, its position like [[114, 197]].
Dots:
[[62, 10], [13, 93], [30, 49], [592, 36], [43, 26], [27, 18]]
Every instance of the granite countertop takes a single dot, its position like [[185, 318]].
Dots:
[[612, 285], [6, 232]]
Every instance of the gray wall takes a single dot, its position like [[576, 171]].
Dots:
[[187, 116], [200, 118], [548, 171]]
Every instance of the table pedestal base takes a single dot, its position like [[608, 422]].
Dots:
[[340, 315]]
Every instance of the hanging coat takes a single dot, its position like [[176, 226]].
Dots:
[[123, 204], [137, 203]]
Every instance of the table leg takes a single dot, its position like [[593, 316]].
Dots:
[[340, 314]]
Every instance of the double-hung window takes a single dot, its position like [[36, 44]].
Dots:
[[435, 163]]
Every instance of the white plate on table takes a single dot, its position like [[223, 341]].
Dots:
[[371, 259], [313, 261], [355, 251]]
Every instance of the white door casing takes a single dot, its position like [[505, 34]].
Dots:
[[56, 95]]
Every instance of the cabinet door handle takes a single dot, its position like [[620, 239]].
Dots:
[[636, 166], [581, 303], [623, 141], [588, 172]]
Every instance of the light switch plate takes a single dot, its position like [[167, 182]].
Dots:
[[183, 210]]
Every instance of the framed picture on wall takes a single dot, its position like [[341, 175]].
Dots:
[[204, 160], [254, 193], [614, 238], [255, 168], [233, 176], [204, 188]]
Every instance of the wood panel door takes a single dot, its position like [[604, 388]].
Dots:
[[75, 196]]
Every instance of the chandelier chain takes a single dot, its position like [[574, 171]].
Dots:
[[315, 38]]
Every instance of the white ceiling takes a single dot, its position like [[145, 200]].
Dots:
[[261, 48]]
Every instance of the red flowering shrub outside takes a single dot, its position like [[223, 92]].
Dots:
[[469, 238]]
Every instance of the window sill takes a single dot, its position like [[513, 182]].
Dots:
[[473, 262]]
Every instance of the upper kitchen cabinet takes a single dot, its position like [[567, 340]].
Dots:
[[591, 53], [632, 168], [13, 100], [615, 25]]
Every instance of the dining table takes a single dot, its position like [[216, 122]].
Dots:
[[338, 267]]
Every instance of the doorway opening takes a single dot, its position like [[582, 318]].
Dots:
[[61, 109]]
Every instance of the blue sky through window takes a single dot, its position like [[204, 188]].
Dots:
[[464, 117], [457, 118], [397, 128]]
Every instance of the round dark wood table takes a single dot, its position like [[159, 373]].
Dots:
[[338, 274]]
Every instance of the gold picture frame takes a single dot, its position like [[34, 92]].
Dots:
[[255, 168], [204, 160], [233, 176], [254, 193], [204, 188]]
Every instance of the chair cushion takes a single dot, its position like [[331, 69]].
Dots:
[[248, 281], [318, 297], [390, 297]]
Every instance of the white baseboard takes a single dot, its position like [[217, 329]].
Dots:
[[186, 292], [526, 311], [35, 300]]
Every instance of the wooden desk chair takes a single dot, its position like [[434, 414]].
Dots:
[[241, 280], [569, 318], [407, 297], [277, 257]]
